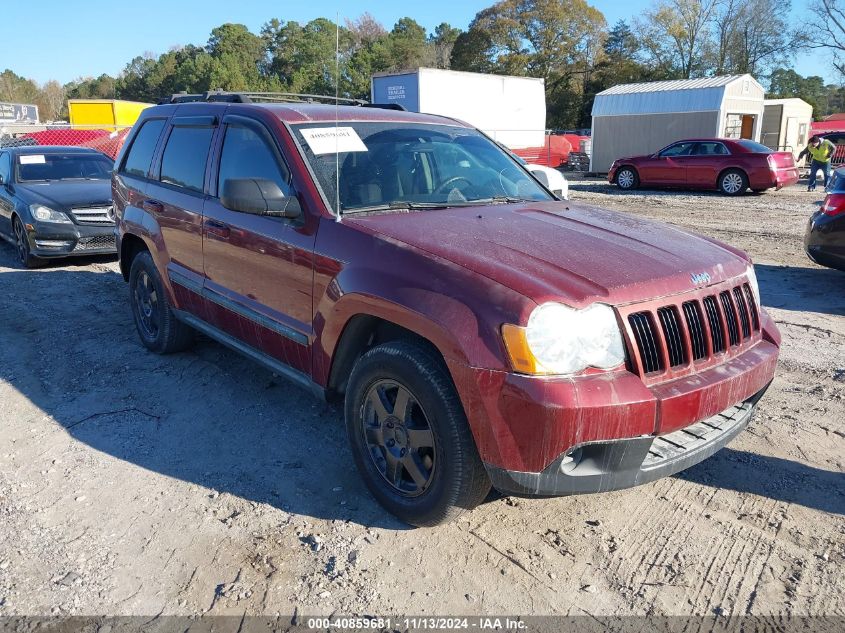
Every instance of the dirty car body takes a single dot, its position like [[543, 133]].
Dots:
[[586, 350]]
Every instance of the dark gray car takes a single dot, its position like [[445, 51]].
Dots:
[[56, 202]]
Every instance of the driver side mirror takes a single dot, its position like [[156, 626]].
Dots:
[[259, 196]]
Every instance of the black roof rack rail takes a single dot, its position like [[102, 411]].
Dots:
[[386, 106], [258, 97], [273, 97]]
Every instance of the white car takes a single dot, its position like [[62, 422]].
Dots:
[[550, 177]]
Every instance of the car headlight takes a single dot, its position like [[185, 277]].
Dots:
[[46, 214], [562, 340], [752, 281]]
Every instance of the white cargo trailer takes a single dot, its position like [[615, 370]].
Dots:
[[512, 110]]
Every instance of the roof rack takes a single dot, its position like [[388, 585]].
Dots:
[[272, 97]]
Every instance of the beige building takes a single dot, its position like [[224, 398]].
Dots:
[[635, 119], [786, 124]]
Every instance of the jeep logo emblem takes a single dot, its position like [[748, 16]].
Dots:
[[700, 278]]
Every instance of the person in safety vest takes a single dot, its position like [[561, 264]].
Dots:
[[821, 151]]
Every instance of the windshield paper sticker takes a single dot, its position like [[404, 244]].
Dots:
[[32, 159], [328, 140]]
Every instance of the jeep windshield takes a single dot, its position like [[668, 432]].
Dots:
[[48, 167], [398, 165]]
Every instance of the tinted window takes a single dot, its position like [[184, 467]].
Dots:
[[185, 155], [679, 149], [5, 166], [40, 167], [710, 149], [751, 146], [140, 154], [246, 154]]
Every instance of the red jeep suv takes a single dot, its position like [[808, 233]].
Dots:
[[479, 331]]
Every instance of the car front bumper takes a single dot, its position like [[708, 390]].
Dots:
[[590, 433], [616, 464], [64, 240]]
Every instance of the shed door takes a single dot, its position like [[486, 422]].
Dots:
[[747, 126], [770, 129]]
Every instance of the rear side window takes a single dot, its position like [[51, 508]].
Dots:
[[246, 154], [140, 155], [185, 155]]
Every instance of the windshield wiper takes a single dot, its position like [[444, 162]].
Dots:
[[501, 200], [400, 205]]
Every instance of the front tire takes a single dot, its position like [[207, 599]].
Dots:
[[159, 329], [409, 435], [733, 182], [25, 257], [627, 178]]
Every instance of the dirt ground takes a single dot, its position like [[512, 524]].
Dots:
[[200, 483]]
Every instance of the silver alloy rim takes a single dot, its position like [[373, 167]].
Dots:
[[626, 179], [732, 183]]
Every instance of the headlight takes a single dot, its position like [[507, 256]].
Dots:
[[46, 214], [752, 281], [561, 340]]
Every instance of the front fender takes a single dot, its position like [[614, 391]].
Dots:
[[459, 312]]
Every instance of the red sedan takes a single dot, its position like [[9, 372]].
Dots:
[[729, 165]]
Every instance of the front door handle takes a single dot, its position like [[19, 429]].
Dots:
[[152, 206], [218, 229]]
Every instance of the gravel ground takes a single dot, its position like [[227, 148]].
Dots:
[[199, 483]]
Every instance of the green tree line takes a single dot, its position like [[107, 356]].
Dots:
[[566, 42]]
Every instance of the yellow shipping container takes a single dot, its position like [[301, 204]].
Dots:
[[106, 112]]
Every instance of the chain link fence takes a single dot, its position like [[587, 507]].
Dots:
[[103, 138]]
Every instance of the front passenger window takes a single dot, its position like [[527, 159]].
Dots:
[[246, 155]]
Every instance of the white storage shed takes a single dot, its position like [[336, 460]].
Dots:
[[634, 119]]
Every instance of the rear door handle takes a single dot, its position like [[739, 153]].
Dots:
[[218, 229], [152, 206]]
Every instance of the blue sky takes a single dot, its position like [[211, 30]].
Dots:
[[57, 42]]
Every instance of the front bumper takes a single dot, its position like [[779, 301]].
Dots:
[[612, 465], [64, 240]]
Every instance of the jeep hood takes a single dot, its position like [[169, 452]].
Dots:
[[562, 251]]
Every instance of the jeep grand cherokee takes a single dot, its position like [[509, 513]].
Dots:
[[479, 331]]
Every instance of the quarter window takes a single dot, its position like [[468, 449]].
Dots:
[[185, 155], [246, 154], [5, 166], [140, 155]]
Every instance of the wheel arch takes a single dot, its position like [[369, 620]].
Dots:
[[361, 332], [130, 246], [725, 170]]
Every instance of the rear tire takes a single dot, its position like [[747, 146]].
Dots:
[[627, 178], [25, 257], [733, 182], [420, 462], [159, 329]]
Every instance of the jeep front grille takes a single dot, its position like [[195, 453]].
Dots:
[[693, 330]]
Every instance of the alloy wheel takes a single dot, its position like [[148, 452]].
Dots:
[[398, 437], [625, 179], [732, 183], [146, 303], [21, 242]]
